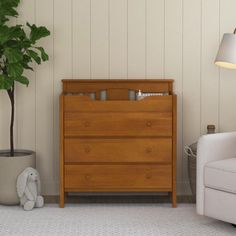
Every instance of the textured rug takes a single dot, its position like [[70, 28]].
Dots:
[[109, 220]]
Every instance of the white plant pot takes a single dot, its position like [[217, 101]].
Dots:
[[10, 168]]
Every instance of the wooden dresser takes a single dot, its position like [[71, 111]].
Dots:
[[110, 143]]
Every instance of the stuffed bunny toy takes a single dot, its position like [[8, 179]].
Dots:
[[28, 189]]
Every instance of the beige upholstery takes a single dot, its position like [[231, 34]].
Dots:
[[216, 176], [221, 175]]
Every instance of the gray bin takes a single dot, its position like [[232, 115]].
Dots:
[[191, 152]]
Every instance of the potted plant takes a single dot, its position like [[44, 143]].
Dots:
[[18, 50]]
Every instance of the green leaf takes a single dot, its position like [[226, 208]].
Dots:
[[8, 33], [15, 70], [13, 55], [22, 80], [27, 67], [4, 34], [7, 9], [26, 43], [44, 55], [5, 83], [11, 3], [37, 32], [17, 32], [34, 55], [26, 59]]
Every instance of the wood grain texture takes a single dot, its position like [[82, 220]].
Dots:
[[118, 124], [150, 85], [123, 177], [174, 151], [156, 150], [62, 155], [114, 145], [161, 104]]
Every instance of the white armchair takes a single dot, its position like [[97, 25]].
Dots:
[[216, 176]]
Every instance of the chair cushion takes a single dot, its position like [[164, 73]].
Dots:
[[221, 175]]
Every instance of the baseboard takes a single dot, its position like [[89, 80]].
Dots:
[[50, 188]]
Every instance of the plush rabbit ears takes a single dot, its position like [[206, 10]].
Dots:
[[21, 182], [38, 182]]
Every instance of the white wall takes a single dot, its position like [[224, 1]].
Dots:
[[125, 39]]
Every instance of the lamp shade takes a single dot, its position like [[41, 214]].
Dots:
[[226, 56]]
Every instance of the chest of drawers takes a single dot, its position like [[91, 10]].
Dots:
[[117, 145]]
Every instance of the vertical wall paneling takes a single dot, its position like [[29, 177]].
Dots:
[[100, 39], [210, 72], [136, 38], [173, 69], [44, 101], [124, 39], [81, 38], [62, 62], [155, 35], [118, 38], [4, 120], [25, 96], [227, 77], [191, 73]]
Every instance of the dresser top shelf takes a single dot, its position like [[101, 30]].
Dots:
[[116, 88]]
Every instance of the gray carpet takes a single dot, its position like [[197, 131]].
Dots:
[[110, 219]]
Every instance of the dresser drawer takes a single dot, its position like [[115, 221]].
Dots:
[[157, 150], [118, 124], [147, 104], [117, 177]]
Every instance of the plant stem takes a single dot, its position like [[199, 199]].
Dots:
[[12, 99]]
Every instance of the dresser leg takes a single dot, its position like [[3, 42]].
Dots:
[[173, 198], [62, 200]]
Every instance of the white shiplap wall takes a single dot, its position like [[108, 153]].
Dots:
[[94, 39]]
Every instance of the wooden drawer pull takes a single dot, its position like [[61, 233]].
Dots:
[[148, 123], [87, 177], [87, 149], [86, 123], [148, 150], [148, 176]]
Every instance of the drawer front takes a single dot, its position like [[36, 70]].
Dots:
[[117, 177], [148, 104], [118, 124], [118, 150], [108, 177]]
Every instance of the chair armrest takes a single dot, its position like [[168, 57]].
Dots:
[[212, 148]]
